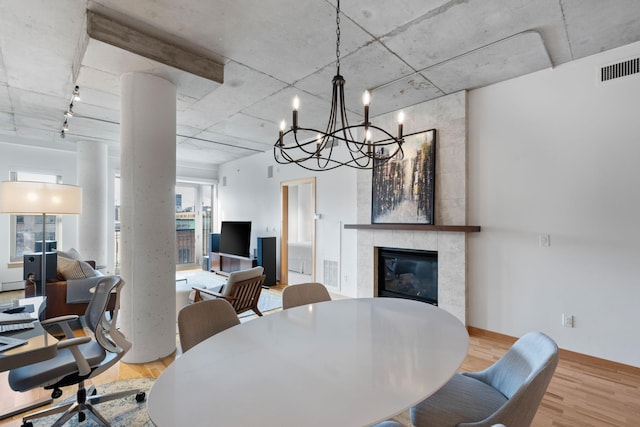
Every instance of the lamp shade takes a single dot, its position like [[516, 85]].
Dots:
[[24, 197]]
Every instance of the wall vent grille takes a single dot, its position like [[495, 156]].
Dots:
[[331, 272], [621, 69]]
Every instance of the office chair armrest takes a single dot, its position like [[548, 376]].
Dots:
[[63, 322], [72, 344], [59, 319]]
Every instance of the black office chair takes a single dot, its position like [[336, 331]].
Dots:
[[80, 358]]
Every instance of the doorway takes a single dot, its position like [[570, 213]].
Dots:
[[298, 242]]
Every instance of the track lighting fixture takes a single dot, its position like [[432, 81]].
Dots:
[[69, 112], [75, 96]]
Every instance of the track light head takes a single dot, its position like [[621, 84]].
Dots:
[[69, 112]]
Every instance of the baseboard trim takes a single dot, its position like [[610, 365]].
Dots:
[[15, 285], [568, 355]]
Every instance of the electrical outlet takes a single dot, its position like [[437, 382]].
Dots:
[[544, 240], [567, 320]]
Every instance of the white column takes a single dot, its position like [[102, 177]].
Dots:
[[92, 177], [148, 232]]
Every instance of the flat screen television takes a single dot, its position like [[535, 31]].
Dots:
[[235, 238]]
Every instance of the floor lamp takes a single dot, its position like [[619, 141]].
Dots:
[[40, 198]]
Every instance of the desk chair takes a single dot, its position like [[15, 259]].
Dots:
[[304, 293], [242, 290], [508, 392], [201, 320], [79, 359]]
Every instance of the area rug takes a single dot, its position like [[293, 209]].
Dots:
[[266, 302], [124, 412]]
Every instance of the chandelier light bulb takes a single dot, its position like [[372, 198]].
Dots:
[[283, 126], [366, 98], [76, 93], [296, 105], [401, 117]]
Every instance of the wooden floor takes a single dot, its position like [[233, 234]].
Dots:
[[583, 392]]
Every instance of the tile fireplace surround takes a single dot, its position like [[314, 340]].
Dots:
[[448, 116]]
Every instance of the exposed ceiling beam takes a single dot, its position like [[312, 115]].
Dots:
[[109, 31]]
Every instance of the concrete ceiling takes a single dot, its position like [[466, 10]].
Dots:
[[405, 51]]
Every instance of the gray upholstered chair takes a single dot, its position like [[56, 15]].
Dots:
[[304, 293], [508, 392], [201, 320], [242, 290], [80, 358], [388, 423]]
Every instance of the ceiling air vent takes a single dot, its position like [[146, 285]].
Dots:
[[620, 69]]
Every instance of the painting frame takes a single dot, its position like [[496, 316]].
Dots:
[[403, 191]]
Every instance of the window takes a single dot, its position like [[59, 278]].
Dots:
[[193, 221], [194, 210], [26, 230]]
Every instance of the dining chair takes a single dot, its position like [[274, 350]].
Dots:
[[80, 358], [304, 293], [508, 392], [242, 290], [201, 320]]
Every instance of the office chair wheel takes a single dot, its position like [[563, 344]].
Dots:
[[141, 396], [56, 393], [81, 417]]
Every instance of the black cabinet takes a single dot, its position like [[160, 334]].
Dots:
[[32, 268], [266, 251]]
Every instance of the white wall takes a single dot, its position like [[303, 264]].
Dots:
[[33, 159], [250, 195], [555, 153]]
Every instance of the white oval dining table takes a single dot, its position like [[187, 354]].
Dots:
[[350, 362]]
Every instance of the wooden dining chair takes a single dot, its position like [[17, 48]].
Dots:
[[242, 290], [304, 293], [199, 321]]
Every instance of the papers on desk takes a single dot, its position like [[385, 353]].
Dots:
[[7, 342], [23, 317]]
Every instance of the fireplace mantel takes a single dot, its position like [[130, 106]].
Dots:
[[415, 227]]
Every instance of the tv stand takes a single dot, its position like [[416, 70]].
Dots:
[[226, 263]]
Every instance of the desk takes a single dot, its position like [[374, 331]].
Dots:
[[40, 346], [352, 362]]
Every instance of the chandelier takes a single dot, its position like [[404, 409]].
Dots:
[[336, 146]]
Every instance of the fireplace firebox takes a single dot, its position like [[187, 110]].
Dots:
[[407, 273]]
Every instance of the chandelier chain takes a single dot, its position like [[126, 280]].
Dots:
[[338, 36]]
